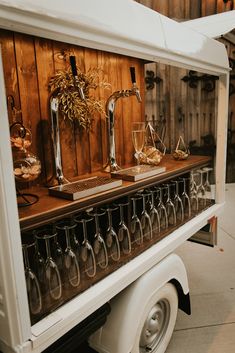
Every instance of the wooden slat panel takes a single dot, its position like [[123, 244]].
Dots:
[[151, 100], [208, 8], [164, 104], [148, 3], [176, 9], [82, 138], [95, 137], [45, 70], [195, 9], [28, 87], [132, 109], [161, 6], [187, 9], [104, 63], [10, 73]]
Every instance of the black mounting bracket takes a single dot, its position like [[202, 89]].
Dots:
[[193, 78], [150, 80]]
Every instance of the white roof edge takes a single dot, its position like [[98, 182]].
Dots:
[[123, 26], [214, 26]]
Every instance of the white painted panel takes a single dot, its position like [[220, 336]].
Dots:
[[14, 316], [213, 26]]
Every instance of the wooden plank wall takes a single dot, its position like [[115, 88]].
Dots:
[[188, 111], [29, 62]]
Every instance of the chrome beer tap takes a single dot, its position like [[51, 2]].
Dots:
[[54, 109], [55, 134], [110, 108]]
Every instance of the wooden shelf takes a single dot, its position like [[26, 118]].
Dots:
[[50, 208]]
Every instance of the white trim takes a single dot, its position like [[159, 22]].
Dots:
[[221, 140], [213, 26], [15, 325]]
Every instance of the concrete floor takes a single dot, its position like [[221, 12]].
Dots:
[[211, 274]]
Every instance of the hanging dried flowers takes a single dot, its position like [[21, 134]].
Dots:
[[71, 105]]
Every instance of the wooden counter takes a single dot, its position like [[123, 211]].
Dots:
[[50, 208]]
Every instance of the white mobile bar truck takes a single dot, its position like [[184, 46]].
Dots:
[[144, 293]]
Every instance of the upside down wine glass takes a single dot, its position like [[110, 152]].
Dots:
[[112, 241], [87, 252], [52, 275], [123, 231], [145, 219], [33, 288], [99, 245], [136, 227], [71, 266]]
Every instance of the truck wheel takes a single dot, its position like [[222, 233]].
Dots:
[[158, 321]]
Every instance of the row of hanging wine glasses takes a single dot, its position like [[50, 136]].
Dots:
[[58, 258]]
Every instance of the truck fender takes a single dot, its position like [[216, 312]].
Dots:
[[127, 308]]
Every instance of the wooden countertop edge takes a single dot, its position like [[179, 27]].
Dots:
[[68, 207]]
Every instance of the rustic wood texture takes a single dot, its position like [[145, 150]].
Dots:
[[29, 63], [10, 76]]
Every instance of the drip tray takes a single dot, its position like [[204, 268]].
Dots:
[[84, 188], [138, 172]]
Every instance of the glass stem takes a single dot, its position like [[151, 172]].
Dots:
[[97, 224], [48, 250], [26, 258], [67, 238], [134, 208], [138, 158]]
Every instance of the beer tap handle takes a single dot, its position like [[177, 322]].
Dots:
[[135, 89], [75, 75], [132, 71], [73, 65]]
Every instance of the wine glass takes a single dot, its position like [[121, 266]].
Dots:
[[71, 266], [32, 284], [39, 263], [170, 207], [111, 237], [161, 207], [99, 245], [138, 138], [201, 192], [153, 212], [207, 185], [193, 191], [179, 208], [123, 232], [136, 227], [87, 252], [144, 217], [184, 196], [52, 274]]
